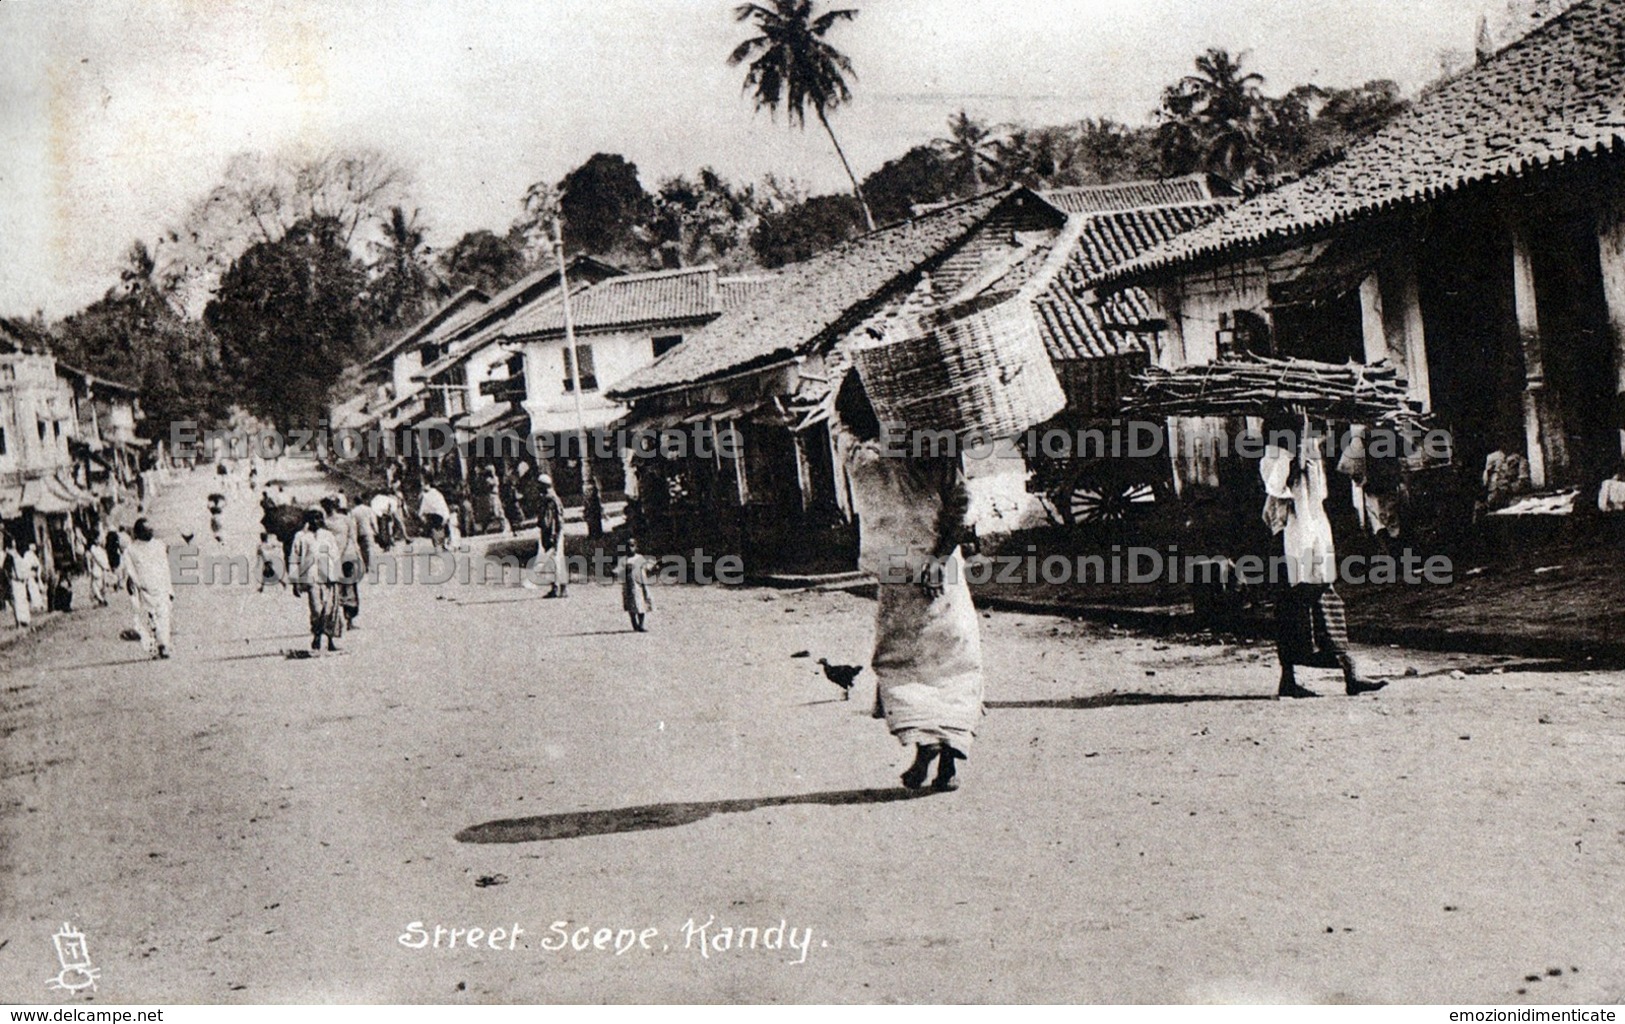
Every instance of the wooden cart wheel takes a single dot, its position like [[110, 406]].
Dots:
[[1099, 497]]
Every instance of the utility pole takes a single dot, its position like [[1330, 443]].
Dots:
[[592, 507]]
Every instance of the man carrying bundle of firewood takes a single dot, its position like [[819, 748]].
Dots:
[[1311, 629]]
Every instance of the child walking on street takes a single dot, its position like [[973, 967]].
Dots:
[[271, 569], [634, 574]]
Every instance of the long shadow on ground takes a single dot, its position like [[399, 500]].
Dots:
[[1118, 700], [576, 824]]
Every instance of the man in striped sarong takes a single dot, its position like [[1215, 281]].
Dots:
[[1312, 631]]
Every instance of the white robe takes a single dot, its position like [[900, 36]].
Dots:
[[1307, 540], [146, 565], [928, 652]]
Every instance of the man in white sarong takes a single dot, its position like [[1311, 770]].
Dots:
[[928, 643], [33, 574], [146, 570], [100, 569], [16, 583]]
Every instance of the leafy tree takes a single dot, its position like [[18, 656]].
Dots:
[[291, 314], [920, 176], [482, 259], [1104, 152], [134, 335], [260, 198], [703, 220], [1365, 108], [806, 229], [603, 204], [1213, 121], [1310, 125], [793, 66]]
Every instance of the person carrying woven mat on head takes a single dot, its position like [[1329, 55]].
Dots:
[[1311, 630], [928, 644]]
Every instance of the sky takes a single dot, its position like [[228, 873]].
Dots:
[[116, 114]]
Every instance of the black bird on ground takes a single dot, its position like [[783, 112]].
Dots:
[[841, 675]]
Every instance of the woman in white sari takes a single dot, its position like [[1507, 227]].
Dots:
[[928, 645]]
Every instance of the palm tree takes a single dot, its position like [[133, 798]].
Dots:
[[1216, 115], [791, 65], [969, 147], [402, 271]]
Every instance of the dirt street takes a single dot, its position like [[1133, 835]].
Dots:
[[1138, 821]]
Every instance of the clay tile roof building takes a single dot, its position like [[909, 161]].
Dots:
[[1135, 195], [808, 302], [1075, 329], [1556, 95], [662, 296]]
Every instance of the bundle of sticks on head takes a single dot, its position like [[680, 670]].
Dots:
[[1253, 386]]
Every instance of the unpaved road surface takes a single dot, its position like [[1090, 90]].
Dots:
[[1138, 821]]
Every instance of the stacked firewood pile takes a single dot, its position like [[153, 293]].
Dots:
[[1355, 392]]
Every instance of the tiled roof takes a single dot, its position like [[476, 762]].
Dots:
[[482, 326], [688, 293], [1556, 94], [1110, 239], [1094, 243], [808, 300], [1073, 328], [1134, 195], [540, 285], [736, 291]]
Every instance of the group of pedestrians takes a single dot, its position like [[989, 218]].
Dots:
[[335, 548], [24, 580]]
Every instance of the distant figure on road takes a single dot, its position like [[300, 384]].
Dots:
[[550, 537], [391, 525], [269, 568], [146, 573], [633, 573], [314, 570], [928, 642], [436, 516], [16, 582], [343, 529], [33, 574], [99, 568], [366, 532], [217, 517], [510, 493], [486, 489], [117, 542]]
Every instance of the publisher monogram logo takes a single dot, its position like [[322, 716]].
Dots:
[[73, 953]]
